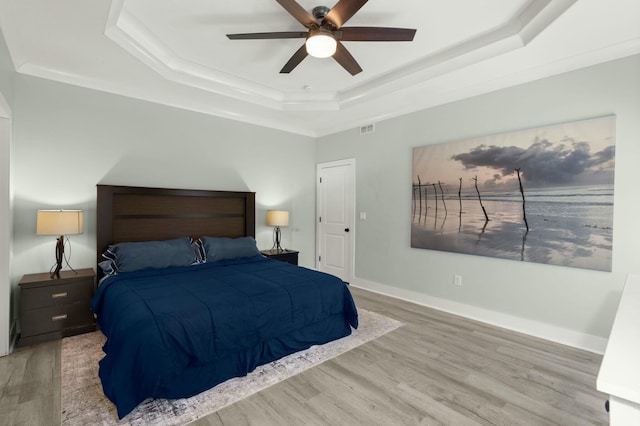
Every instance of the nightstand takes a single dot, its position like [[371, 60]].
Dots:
[[289, 256], [52, 308]]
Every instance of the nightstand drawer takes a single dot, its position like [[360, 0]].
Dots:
[[53, 308], [288, 257], [58, 295], [285, 255], [56, 318]]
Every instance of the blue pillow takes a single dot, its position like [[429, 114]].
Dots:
[[229, 248], [131, 257]]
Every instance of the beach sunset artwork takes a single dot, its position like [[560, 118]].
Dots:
[[541, 195]]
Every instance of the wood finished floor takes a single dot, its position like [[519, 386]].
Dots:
[[436, 369]]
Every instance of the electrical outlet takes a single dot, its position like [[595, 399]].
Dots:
[[457, 279]]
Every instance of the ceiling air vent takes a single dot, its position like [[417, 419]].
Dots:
[[367, 128]]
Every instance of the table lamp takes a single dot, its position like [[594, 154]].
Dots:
[[277, 218], [59, 222]]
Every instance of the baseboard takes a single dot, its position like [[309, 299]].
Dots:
[[549, 332]]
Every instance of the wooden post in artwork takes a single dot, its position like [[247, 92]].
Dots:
[[442, 196], [524, 212], [475, 178], [413, 197], [426, 203], [420, 197], [435, 192], [460, 195], [460, 201]]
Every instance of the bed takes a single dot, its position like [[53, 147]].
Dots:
[[174, 327]]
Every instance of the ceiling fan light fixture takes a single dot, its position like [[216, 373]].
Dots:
[[321, 43]]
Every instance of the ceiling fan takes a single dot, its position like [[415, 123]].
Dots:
[[325, 33]]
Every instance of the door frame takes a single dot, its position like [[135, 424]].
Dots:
[[351, 162]]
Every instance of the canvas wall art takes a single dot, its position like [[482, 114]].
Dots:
[[541, 195]]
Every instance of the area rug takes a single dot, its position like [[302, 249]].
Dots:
[[83, 401]]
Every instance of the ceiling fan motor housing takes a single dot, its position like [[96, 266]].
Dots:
[[319, 12]]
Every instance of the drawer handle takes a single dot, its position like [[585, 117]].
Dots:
[[58, 295], [59, 317]]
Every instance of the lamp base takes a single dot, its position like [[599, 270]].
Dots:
[[276, 238], [59, 256]]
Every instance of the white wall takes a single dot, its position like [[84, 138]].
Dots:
[[5, 232], [68, 139], [576, 306], [6, 195], [7, 75]]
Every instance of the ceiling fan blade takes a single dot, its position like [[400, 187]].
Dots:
[[343, 11], [375, 34], [344, 58], [295, 60], [265, 36], [298, 12]]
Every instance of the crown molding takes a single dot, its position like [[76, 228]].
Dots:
[[395, 103], [491, 61], [131, 34]]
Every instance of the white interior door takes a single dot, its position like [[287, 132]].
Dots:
[[336, 218]]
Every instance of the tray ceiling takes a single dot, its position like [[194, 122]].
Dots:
[[177, 53]]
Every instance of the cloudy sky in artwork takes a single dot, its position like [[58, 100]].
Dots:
[[579, 153]]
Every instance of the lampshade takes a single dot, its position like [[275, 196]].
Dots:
[[321, 43], [277, 217], [59, 222]]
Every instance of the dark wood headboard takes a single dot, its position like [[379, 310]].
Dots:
[[126, 213]]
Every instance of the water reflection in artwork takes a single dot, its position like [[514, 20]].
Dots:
[[542, 195]]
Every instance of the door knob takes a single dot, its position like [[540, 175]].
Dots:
[[346, 229]]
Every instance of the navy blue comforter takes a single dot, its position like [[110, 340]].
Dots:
[[175, 332]]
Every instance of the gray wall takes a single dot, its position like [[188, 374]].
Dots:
[[577, 300], [68, 139], [7, 74]]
